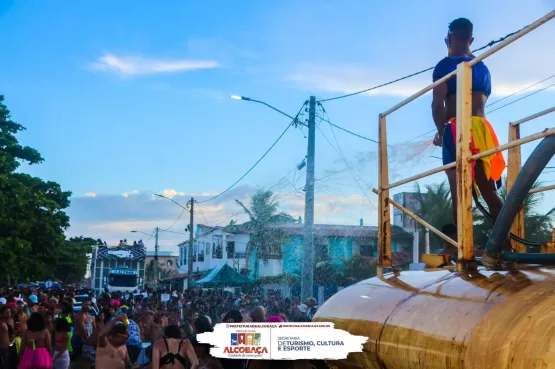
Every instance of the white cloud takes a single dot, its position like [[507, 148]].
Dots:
[[127, 194], [135, 65], [171, 193], [89, 194]]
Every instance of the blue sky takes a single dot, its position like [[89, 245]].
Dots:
[[126, 99]]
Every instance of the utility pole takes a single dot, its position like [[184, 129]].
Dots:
[[190, 256], [307, 281], [155, 269]]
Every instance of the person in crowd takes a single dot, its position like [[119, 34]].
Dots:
[[312, 308], [8, 357], [134, 343], [206, 361], [111, 352], [173, 351], [83, 328], [36, 345], [258, 314], [60, 359]]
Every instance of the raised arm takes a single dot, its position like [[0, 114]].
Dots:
[[108, 328]]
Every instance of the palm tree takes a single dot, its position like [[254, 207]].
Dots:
[[537, 226], [436, 209], [265, 240]]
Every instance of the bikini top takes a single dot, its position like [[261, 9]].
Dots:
[[170, 357], [481, 78]]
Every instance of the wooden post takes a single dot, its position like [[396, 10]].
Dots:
[[464, 166], [515, 164], [384, 218]]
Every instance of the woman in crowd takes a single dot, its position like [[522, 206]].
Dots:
[[60, 359], [206, 361], [36, 345], [173, 351]]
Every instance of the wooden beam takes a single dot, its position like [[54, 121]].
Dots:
[[464, 166], [385, 257]]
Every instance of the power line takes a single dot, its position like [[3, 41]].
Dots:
[[343, 129], [175, 221], [522, 98], [342, 155], [165, 230], [491, 43], [519, 91], [202, 213], [259, 160]]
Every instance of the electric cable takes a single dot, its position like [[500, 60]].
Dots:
[[293, 122], [491, 43], [519, 91], [522, 98]]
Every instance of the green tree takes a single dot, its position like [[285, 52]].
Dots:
[[73, 259], [32, 220], [436, 208], [265, 240], [537, 226]]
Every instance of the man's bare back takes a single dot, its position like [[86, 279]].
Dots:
[[109, 357]]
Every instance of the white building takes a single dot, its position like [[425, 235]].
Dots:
[[214, 246]]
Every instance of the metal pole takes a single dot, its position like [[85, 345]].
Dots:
[[190, 250], [307, 283], [155, 269], [427, 241]]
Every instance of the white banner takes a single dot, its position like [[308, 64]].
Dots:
[[281, 341]]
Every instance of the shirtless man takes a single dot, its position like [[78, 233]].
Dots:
[[5, 336], [83, 327], [488, 170], [111, 352]]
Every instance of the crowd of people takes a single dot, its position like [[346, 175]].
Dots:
[[44, 329]]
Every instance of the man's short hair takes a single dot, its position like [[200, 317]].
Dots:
[[462, 29]]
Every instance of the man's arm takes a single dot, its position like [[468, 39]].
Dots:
[[438, 107], [108, 328]]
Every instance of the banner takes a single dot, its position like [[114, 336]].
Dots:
[[135, 253], [281, 341]]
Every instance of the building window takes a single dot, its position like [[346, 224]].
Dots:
[[322, 253], [230, 250], [366, 250], [201, 251], [217, 247]]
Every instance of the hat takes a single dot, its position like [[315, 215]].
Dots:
[[33, 299], [3, 301], [116, 303], [302, 308]]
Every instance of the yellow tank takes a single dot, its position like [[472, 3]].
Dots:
[[442, 319]]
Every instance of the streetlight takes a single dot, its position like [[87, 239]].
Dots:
[[307, 280], [238, 97], [190, 204]]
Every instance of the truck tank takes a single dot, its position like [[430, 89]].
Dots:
[[443, 319]]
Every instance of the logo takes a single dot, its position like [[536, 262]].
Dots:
[[120, 253], [246, 343], [245, 339]]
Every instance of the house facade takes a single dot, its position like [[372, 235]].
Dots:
[[214, 246]]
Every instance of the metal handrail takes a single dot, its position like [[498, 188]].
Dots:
[[464, 158]]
